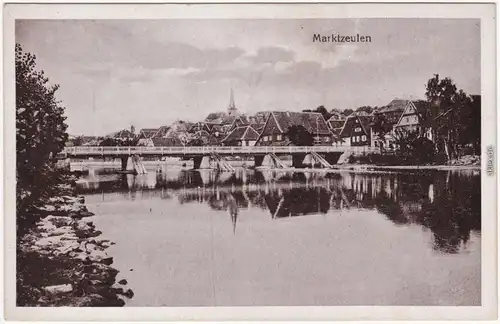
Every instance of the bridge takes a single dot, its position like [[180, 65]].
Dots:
[[203, 155]]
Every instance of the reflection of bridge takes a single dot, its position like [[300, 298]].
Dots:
[[445, 202], [203, 155]]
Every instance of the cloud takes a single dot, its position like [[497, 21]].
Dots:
[[272, 55], [173, 55], [192, 63]]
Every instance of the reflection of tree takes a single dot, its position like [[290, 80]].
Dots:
[[391, 209], [451, 212], [455, 211], [448, 203]]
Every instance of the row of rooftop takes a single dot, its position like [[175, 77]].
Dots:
[[232, 128]]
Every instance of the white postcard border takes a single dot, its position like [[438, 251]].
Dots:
[[486, 12]]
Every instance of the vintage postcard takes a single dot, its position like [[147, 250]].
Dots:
[[250, 162]]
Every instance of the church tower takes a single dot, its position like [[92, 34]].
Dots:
[[232, 110]]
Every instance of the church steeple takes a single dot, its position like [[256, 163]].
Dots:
[[231, 100], [232, 110]]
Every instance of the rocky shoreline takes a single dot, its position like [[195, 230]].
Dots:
[[63, 262]]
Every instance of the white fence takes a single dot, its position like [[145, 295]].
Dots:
[[205, 150]]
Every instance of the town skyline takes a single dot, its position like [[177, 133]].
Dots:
[[171, 70]]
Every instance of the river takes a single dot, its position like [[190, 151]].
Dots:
[[270, 238]]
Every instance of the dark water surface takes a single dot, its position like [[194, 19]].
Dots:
[[196, 238]]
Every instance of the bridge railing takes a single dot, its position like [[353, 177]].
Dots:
[[167, 150]]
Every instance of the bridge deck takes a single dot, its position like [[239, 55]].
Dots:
[[206, 150]]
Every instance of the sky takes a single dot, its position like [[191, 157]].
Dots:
[[148, 73]]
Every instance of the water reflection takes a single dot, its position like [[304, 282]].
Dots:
[[446, 202]]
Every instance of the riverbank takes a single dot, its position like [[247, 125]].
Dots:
[[62, 261], [367, 168], [407, 167]]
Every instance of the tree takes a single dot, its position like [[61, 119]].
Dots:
[[366, 109], [440, 94], [108, 141], [299, 136], [451, 116], [78, 141], [348, 112], [381, 126], [40, 133], [322, 110], [413, 147], [474, 124]]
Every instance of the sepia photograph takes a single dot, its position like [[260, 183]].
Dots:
[[214, 162]]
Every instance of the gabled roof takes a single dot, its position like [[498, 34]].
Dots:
[[199, 126], [176, 127], [162, 131], [335, 124], [212, 117], [242, 133], [396, 105], [258, 127], [313, 122], [261, 116], [147, 132], [217, 121], [364, 122], [421, 108], [228, 120]]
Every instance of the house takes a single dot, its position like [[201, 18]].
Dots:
[[385, 118], [356, 131], [221, 123], [244, 120], [174, 135], [413, 119], [218, 131], [198, 127], [275, 130], [215, 117], [241, 136], [261, 116], [145, 136], [176, 127], [392, 111], [162, 131], [202, 138], [147, 132]]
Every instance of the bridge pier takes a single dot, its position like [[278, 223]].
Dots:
[[124, 160], [309, 161]]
